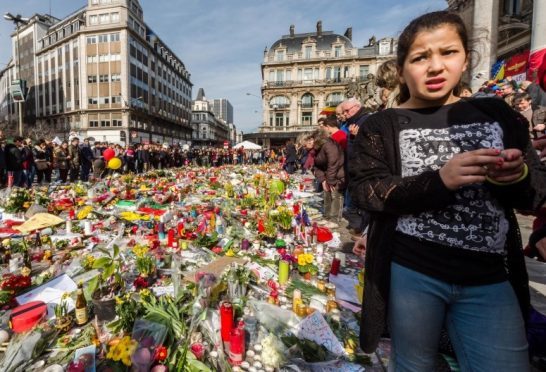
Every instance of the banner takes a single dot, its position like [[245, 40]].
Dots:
[[537, 67], [516, 66]]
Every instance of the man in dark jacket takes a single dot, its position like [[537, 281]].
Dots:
[[86, 160], [291, 157], [74, 158], [14, 160]]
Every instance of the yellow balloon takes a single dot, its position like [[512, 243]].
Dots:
[[114, 163]]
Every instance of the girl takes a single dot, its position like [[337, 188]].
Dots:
[[440, 177], [61, 160]]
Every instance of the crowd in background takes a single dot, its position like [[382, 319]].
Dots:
[[24, 162]]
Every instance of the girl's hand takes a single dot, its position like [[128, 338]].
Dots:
[[540, 145], [359, 249], [469, 167], [510, 169]]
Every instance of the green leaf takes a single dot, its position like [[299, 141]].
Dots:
[[116, 250], [101, 263], [92, 286], [197, 366], [108, 272]]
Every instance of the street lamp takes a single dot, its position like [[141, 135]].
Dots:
[[18, 20], [253, 95]]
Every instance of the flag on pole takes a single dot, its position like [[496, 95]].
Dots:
[[497, 70]]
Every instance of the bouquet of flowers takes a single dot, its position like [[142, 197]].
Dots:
[[305, 264], [19, 200]]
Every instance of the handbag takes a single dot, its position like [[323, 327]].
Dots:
[[41, 165]]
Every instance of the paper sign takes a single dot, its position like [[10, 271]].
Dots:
[[315, 328], [39, 221], [86, 355], [345, 287], [51, 293]]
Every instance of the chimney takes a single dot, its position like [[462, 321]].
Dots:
[[292, 28], [319, 28], [349, 33]]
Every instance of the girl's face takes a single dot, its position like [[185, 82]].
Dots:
[[433, 67]]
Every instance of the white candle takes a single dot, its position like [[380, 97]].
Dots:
[[87, 228]]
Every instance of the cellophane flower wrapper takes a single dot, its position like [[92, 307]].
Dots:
[[149, 336], [272, 317]]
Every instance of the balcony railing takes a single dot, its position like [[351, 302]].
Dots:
[[296, 83], [290, 128]]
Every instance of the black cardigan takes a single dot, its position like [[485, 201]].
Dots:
[[376, 186]]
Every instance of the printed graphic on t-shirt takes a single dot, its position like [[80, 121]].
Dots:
[[476, 221]]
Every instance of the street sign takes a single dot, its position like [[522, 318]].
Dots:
[[226, 145], [18, 90]]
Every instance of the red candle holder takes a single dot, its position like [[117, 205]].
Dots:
[[226, 320], [336, 263]]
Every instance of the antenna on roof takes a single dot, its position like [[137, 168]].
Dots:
[[49, 7]]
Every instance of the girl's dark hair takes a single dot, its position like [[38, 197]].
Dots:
[[428, 21]]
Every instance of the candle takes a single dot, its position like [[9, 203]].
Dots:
[[237, 344], [170, 238], [341, 257], [87, 228], [284, 271], [296, 300], [226, 321], [334, 270]]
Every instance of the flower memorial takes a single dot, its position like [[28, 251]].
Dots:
[[197, 269]]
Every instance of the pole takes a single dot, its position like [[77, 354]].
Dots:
[[537, 59], [484, 33], [19, 104]]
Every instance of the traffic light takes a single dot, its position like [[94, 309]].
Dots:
[[18, 90]]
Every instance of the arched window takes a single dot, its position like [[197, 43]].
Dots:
[[279, 102], [334, 99], [307, 100]]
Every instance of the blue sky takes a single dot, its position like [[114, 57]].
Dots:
[[221, 42]]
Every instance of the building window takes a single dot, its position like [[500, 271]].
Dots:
[[103, 38], [114, 37], [308, 50], [92, 79], [279, 55], [104, 18], [384, 47], [91, 40], [512, 7], [306, 118], [279, 102], [115, 78], [103, 78], [94, 2], [93, 19], [334, 99], [364, 71], [93, 101], [279, 119], [104, 123], [92, 59], [307, 100], [116, 122], [337, 51], [93, 124], [114, 17], [307, 74]]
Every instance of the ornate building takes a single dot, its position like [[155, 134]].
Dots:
[[499, 29], [102, 72], [303, 73]]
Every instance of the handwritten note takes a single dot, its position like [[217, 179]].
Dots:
[[315, 328]]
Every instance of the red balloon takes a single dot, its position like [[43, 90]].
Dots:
[[108, 154]]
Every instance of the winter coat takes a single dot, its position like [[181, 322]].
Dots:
[[14, 158], [329, 164], [61, 158]]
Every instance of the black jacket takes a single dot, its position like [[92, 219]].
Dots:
[[14, 158], [376, 185], [291, 154]]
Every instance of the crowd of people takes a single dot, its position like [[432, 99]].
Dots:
[[24, 162]]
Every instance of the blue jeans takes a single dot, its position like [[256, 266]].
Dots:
[[484, 323]]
